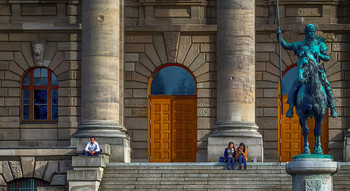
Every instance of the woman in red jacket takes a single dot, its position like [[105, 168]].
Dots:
[[241, 155]]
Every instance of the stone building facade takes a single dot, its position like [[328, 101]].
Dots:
[[105, 53]]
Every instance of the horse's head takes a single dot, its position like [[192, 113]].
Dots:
[[310, 67]]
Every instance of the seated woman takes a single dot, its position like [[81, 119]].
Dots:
[[92, 148], [241, 155], [229, 155]]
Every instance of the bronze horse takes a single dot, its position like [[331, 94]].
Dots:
[[311, 101]]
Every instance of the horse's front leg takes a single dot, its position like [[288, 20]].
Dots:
[[317, 133], [305, 131]]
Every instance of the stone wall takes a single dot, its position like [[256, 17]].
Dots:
[[294, 18], [22, 22], [167, 32], [144, 54]]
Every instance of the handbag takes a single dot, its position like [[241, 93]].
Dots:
[[222, 159]]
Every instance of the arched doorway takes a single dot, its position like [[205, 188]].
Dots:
[[289, 130], [172, 114]]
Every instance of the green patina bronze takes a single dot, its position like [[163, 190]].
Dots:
[[311, 93], [315, 156]]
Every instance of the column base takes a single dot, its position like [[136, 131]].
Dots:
[[237, 132], [312, 172], [105, 132], [100, 128]]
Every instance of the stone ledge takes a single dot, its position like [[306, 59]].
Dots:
[[5, 152], [88, 161], [85, 175]]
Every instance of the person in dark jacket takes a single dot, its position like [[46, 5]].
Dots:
[[229, 155]]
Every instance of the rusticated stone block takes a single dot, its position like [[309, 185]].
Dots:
[[191, 55], [6, 171], [158, 42], [171, 42], [58, 180], [64, 166], [152, 54], [184, 45], [16, 169], [51, 169], [39, 169], [2, 181], [6, 55], [28, 166]]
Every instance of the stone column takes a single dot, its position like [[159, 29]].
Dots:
[[235, 80], [100, 72]]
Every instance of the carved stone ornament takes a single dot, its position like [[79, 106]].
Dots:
[[313, 184], [38, 48]]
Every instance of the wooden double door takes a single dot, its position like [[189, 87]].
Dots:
[[172, 128], [290, 134]]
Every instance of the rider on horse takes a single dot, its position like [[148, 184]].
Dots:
[[316, 47]]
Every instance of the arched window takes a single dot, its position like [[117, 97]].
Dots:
[[39, 95], [27, 184], [173, 80]]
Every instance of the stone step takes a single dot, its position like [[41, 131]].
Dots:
[[196, 171], [205, 176], [199, 189]]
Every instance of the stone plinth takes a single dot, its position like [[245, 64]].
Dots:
[[87, 173], [347, 148], [235, 80], [312, 172], [237, 132]]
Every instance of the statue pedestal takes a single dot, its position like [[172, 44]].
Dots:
[[312, 172]]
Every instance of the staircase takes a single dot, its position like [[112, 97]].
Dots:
[[205, 176]]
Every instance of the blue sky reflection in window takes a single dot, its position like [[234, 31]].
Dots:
[[173, 80], [288, 80]]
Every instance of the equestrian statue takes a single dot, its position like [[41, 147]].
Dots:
[[311, 93]]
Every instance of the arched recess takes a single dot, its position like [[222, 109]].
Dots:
[[289, 131], [172, 115], [27, 184]]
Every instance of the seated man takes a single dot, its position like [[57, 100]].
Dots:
[[92, 148]]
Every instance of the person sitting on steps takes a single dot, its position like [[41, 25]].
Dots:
[[92, 148], [229, 155], [241, 155]]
